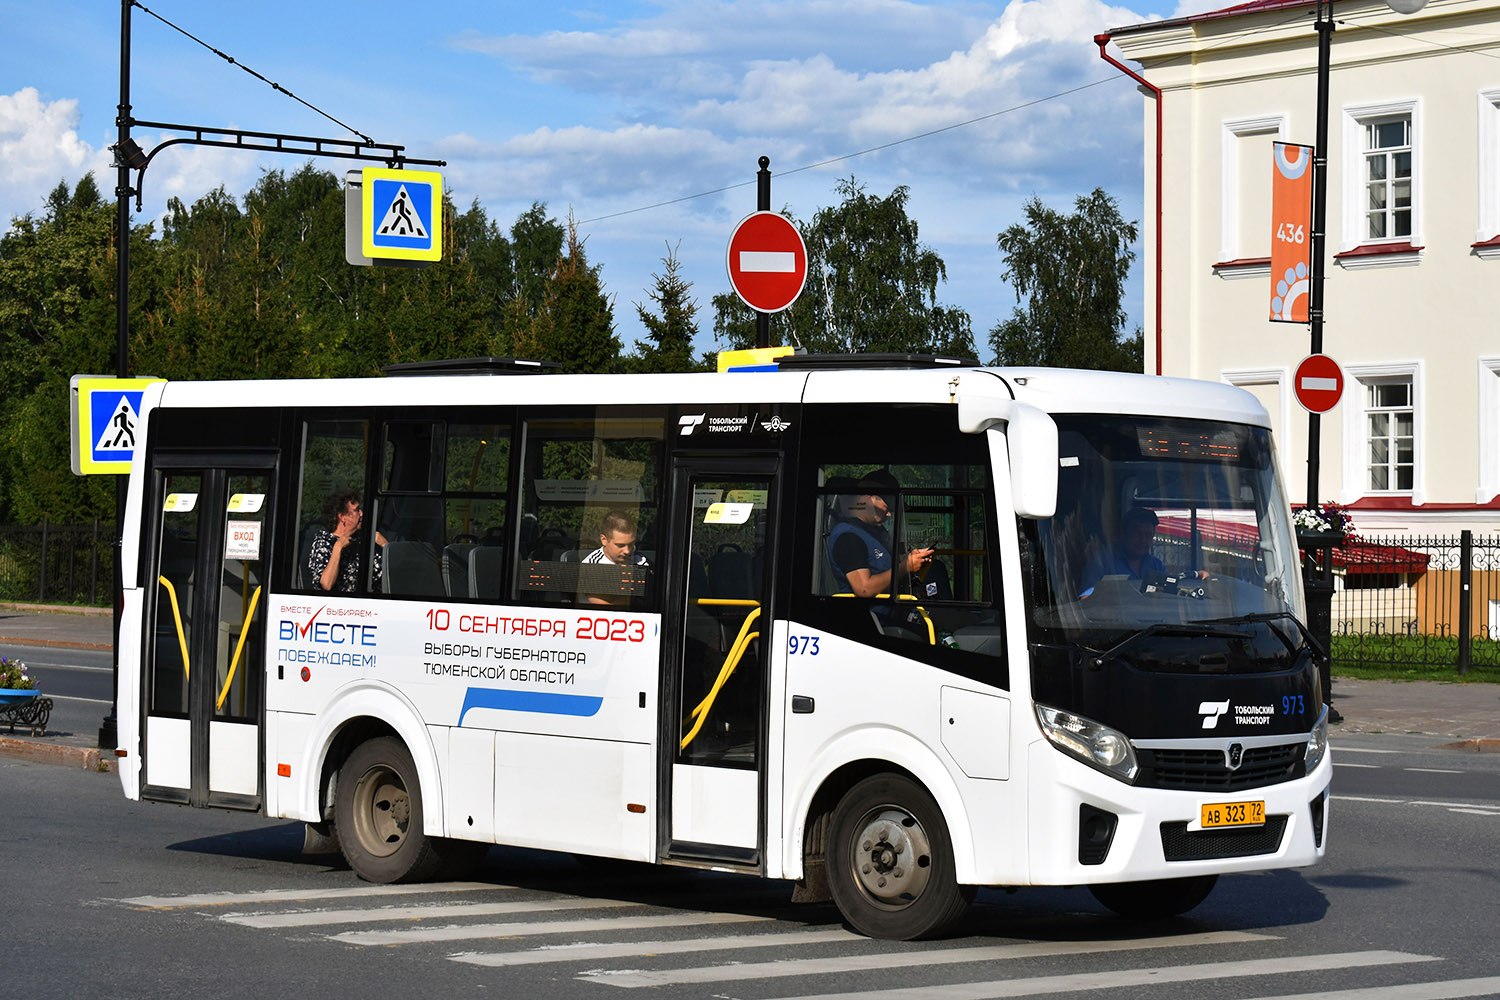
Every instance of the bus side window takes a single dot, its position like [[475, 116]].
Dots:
[[332, 462], [589, 479], [442, 507]]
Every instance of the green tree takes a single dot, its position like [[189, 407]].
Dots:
[[1069, 273], [871, 285], [575, 325], [670, 330]]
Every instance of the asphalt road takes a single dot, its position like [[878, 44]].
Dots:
[[109, 897]]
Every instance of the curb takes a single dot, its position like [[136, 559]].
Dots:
[[55, 609], [1472, 746], [54, 753], [56, 643]]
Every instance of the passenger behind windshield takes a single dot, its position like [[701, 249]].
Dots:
[[1130, 556]]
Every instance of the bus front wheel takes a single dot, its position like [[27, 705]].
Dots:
[[890, 861], [1156, 899], [378, 815]]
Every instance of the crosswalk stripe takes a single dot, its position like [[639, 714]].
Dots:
[[303, 895], [887, 959], [463, 932], [1123, 978], [313, 918], [630, 949], [1450, 990]]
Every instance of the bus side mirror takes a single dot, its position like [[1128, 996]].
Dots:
[[1030, 438]]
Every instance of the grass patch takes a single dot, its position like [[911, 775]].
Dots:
[[1414, 658]]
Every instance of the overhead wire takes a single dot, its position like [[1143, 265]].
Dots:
[[233, 62]]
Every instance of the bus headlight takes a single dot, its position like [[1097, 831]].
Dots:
[[1095, 744], [1317, 743]]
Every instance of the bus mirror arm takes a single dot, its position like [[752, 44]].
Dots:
[[1028, 444]]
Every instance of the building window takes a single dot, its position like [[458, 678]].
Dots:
[[1388, 179], [1487, 232], [1390, 421], [1382, 200], [1245, 190], [1383, 421]]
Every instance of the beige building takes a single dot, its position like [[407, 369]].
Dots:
[[1412, 293]]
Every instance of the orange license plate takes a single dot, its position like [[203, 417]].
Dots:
[[1219, 815]]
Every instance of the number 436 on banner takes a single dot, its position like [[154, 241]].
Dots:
[[1291, 225]]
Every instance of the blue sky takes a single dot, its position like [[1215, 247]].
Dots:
[[605, 108]]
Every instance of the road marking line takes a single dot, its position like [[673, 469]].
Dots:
[[296, 895], [631, 949], [887, 959], [1450, 990], [1339, 763], [1368, 798], [313, 918], [1432, 770], [1343, 749], [75, 697], [526, 929], [1475, 812], [1120, 978]]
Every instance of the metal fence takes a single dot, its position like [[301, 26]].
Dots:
[[1419, 604], [54, 563]]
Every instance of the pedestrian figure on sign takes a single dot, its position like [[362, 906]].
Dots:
[[124, 433], [399, 207]]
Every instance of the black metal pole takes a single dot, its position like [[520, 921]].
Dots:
[[1319, 224], [763, 204], [1319, 580], [107, 728]]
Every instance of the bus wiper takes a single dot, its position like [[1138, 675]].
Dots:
[[1267, 618], [1192, 630]]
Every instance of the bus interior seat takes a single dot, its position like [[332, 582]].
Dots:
[[550, 543], [730, 573], [456, 568], [486, 570], [412, 567], [304, 552]]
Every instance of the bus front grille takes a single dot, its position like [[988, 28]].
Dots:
[[1200, 769], [1177, 844]]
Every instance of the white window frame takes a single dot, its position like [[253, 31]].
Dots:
[[1232, 131], [1352, 229], [1489, 173], [1489, 429], [1356, 472], [1281, 378]]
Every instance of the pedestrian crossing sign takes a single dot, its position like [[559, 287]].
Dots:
[[106, 417], [402, 214]]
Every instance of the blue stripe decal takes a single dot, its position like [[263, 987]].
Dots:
[[545, 702]]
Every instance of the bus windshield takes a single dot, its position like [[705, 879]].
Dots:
[[1161, 522]]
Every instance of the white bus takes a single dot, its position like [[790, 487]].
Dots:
[[893, 633]]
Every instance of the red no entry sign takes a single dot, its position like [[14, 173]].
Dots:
[[1319, 383], [767, 261]]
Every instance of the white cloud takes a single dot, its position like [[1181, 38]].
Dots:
[[39, 146]]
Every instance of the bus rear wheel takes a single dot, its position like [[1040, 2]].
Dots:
[[378, 815], [1156, 899], [890, 861]]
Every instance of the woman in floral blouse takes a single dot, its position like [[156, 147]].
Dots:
[[333, 561]]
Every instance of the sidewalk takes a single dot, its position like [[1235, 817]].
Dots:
[[1452, 715]]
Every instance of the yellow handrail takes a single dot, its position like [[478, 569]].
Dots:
[[177, 616], [238, 649], [731, 660]]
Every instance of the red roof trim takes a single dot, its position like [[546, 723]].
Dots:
[[1373, 249], [1493, 241], [1254, 7], [1405, 504], [1227, 265]]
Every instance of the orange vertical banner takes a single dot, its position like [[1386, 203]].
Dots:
[[1291, 231]]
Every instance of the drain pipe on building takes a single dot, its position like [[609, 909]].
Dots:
[[1102, 40]]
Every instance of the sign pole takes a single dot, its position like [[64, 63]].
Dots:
[[1319, 224], [108, 731], [763, 204]]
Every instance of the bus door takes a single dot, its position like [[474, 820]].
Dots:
[[719, 617], [204, 688]]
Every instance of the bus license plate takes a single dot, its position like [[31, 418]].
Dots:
[[1218, 815]]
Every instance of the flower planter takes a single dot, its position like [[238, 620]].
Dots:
[[13, 696], [1320, 539]]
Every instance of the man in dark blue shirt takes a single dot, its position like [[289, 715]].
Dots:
[[859, 546], [1130, 556]]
